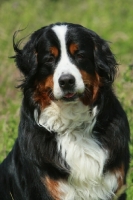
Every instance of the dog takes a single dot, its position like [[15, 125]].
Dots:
[[73, 134]]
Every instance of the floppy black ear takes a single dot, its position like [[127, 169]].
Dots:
[[26, 58], [106, 65]]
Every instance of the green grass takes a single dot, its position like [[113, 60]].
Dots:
[[112, 20]]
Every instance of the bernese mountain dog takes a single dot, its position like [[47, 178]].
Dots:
[[73, 133]]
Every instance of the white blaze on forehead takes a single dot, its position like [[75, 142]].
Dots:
[[65, 66], [61, 34]]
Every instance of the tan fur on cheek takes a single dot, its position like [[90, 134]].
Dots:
[[43, 93], [92, 84], [52, 187]]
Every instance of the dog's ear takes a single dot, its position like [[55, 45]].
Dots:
[[26, 58], [106, 65]]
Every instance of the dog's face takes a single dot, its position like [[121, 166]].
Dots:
[[66, 62]]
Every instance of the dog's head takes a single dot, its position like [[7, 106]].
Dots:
[[65, 62]]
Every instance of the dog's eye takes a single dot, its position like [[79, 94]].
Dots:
[[49, 60], [80, 56]]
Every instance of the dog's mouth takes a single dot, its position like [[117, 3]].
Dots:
[[71, 96]]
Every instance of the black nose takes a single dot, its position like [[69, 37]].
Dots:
[[67, 81]]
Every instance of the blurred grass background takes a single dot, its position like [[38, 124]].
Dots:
[[112, 20]]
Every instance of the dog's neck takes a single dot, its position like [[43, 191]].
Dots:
[[61, 116]]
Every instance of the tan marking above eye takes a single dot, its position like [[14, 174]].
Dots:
[[73, 47], [54, 51]]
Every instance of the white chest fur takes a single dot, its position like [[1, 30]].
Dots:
[[74, 124], [86, 160]]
